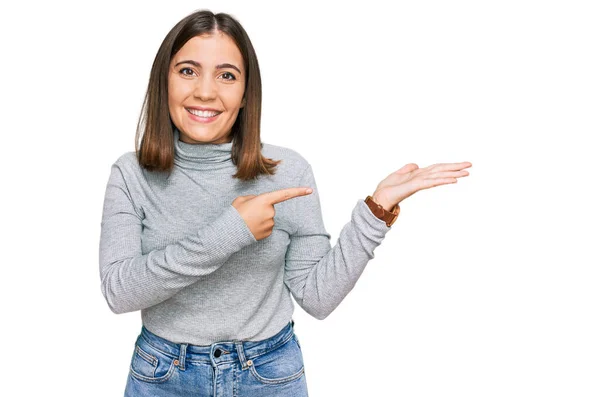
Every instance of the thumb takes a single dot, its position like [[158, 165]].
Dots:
[[243, 199], [407, 168]]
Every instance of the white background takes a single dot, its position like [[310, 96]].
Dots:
[[487, 287]]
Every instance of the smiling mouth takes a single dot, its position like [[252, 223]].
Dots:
[[203, 113]]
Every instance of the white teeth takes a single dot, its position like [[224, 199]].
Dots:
[[205, 113]]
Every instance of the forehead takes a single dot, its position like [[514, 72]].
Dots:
[[209, 50]]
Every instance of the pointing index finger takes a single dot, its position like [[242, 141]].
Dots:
[[277, 196]]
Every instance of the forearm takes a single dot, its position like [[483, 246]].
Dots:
[[131, 281], [321, 277]]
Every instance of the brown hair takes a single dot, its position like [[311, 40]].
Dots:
[[156, 148]]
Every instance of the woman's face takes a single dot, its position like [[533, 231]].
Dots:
[[206, 88]]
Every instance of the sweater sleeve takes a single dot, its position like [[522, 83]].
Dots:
[[131, 281], [318, 276]]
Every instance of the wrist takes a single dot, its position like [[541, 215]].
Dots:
[[381, 201], [389, 217]]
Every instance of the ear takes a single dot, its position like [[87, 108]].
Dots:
[[243, 102]]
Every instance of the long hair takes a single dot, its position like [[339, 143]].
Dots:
[[155, 150]]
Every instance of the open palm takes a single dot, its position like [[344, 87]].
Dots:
[[410, 179]]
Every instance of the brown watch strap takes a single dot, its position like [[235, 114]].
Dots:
[[382, 213]]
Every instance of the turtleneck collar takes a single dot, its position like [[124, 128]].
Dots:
[[202, 156]]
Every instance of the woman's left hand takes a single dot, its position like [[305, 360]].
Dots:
[[410, 179]]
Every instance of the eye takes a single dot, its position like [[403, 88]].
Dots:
[[186, 71], [229, 74]]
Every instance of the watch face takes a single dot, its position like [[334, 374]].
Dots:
[[396, 211]]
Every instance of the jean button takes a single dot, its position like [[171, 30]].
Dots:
[[217, 352]]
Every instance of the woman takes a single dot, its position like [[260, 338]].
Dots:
[[192, 238]]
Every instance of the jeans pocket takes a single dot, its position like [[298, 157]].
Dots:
[[149, 364], [282, 365]]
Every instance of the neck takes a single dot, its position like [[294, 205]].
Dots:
[[202, 156]]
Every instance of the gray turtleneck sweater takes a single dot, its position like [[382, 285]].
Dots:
[[175, 248]]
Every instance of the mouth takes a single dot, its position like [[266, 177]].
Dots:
[[205, 116]]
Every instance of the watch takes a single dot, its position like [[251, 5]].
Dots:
[[382, 213]]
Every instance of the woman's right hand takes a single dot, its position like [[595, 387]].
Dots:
[[258, 211]]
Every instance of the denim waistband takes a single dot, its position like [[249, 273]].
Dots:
[[218, 352]]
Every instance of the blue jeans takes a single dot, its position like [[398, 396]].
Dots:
[[270, 367]]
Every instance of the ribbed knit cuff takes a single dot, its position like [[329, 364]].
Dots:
[[230, 233]]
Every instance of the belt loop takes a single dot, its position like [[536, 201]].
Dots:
[[239, 345], [182, 350]]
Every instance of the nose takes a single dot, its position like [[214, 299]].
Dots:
[[205, 88]]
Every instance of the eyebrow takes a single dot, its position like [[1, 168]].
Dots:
[[221, 66]]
